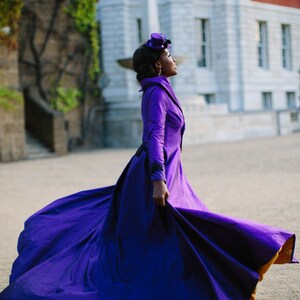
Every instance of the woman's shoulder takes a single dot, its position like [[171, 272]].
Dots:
[[156, 94], [155, 89]]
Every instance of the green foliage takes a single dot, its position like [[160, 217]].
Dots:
[[65, 99], [83, 12], [10, 11], [95, 66], [10, 100], [84, 15]]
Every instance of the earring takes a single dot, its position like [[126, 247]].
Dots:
[[159, 72]]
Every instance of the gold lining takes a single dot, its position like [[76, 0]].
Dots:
[[286, 252], [283, 255]]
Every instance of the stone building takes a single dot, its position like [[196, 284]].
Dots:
[[51, 53], [240, 76]]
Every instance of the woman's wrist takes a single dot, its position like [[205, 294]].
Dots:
[[158, 182]]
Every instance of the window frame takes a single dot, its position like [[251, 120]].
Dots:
[[291, 96], [209, 98], [286, 53], [203, 46], [262, 45], [267, 101]]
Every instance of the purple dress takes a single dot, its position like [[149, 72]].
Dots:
[[114, 243]]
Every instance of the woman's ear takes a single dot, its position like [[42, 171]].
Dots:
[[158, 65]]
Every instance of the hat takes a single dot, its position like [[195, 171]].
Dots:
[[158, 41]]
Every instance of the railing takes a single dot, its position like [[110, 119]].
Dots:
[[45, 123]]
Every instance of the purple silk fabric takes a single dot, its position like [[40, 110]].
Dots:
[[114, 243]]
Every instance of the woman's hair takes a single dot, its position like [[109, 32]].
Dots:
[[143, 62]]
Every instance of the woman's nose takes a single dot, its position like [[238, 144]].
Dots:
[[174, 59]]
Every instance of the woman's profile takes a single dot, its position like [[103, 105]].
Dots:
[[148, 236]]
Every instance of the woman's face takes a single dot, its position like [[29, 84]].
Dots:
[[167, 64]]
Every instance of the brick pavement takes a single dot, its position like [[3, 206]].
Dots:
[[255, 179]]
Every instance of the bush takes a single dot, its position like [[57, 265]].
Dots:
[[65, 99], [10, 100]]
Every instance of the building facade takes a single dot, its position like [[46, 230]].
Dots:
[[240, 56]]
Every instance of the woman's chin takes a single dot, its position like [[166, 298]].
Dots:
[[174, 72]]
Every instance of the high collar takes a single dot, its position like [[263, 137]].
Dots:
[[158, 80], [162, 81]]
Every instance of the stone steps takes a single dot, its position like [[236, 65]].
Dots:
[[35, 149]]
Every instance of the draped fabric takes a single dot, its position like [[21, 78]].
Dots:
[[114, 243]]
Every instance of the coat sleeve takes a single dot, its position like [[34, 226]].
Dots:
[[156, 110]]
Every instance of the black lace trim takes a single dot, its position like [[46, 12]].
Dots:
[[156, 167], [140, 150]]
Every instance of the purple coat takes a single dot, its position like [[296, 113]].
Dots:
[[114, 243], [162, 135]]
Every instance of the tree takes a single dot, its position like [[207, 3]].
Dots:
[[59, 48]]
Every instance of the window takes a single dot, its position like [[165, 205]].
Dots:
[[139, 31], [209, 98], [295, 117], [286, 47], [267, 100], [203, 43], [262, 45], [291, 99]]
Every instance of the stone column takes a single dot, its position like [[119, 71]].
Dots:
[[229, 69], [150, 22], [115, 43]]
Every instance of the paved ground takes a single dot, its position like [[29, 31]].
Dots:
[[257, 179]]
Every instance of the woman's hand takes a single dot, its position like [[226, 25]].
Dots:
[[160, 192]]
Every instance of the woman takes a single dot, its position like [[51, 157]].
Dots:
[[149, 236]]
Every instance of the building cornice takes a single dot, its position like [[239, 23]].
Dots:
[[288, 3]]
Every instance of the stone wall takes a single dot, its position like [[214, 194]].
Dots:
[[12, 135], [9, 74], [210, 124], [59, 47], [47, 125], [53, 53], [210, 128], [123, 125]]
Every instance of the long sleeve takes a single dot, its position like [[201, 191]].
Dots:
[[156, 109]]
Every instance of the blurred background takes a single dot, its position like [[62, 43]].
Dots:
[[66, 81], [66, 85]]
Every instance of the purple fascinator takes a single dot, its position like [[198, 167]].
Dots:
[[158, 41]]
